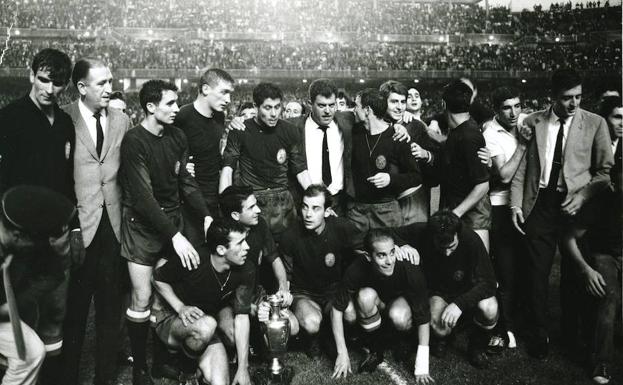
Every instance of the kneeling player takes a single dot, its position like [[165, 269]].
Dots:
[[189, 318], [460, 279], [382, 284]]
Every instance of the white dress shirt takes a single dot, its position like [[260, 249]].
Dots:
[[614, 145], [313, 152], [89, 119], [499, 142], [553, 126]]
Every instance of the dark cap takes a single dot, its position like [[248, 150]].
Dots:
[[37, 211]]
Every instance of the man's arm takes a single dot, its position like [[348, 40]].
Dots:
[[342, 366], [282, 278], [505, 170], [231, 154], [304, 179], [483, 278], [226, 178], [190, 189], [593, 280], [241, 338], [474, 196], [422, 369]]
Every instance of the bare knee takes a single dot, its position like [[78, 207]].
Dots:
[[141, 297], [401, 318], [311, 323], [488, 309], [366, 299], [204, 329], [350, 315]]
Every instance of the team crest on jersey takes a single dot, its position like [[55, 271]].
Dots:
[[329, 260], [177, 167], [458, 275], [381, 162], [281, 156]]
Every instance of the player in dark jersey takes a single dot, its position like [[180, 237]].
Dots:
[[380, 283], [195, 298]]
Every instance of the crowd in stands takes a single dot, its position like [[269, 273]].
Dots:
[[323, 56], [393, 17]]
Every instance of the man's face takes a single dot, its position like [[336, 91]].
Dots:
[[118, 104], [269, 111], [96, 88], [567, 102], [449, 248], [360, 113], [249, 214], [313, 211], [509, 112], [323, 109], [396, 105], [218, 96], [383, 256], [341, 104], [167, 109], [414, 102], [615, 122], [236, 253], [293, 110], [44, 90]]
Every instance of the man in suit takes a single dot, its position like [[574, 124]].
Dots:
[[99, 131], [326, 141], [566, 163]]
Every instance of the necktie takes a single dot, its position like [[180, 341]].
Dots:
[[326, 166], [99, 133], [557, 161]]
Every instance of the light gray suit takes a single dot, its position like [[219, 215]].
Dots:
[[99, 275], [96, 176]]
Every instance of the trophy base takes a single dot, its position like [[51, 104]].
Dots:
[[264, 376]]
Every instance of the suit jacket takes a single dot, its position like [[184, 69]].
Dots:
[[96, 176], [345, 122], [587, 158]]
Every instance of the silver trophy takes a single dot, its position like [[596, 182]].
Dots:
[[276, 334]]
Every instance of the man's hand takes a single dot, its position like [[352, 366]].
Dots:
[[434, 131], [407, 117], [400, 134], [190, 166], [594, 283], [407, 253], [517, 218], [573, 204], [263, 311], [190, 314], [424, 379], [187, 253], [286, 297], [342, 367], [237, 124], [380, 180], [418, 152], [451, 315], [242, 377], [329, 212], [76, 247], [525, 133], [207, 221], [485, 156]]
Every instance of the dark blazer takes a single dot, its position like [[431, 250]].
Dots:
[[345, 122], [587, 158]]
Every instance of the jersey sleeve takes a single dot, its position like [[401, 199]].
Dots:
[[172, 271], [477, 172], [417, 294], [231, 154]]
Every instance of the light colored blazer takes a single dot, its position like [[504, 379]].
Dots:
[[587, 158], [95, 177]]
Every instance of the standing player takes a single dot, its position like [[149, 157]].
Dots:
[[153, 178], [265, 152], [381, 167], [189, 318], [381, 284]]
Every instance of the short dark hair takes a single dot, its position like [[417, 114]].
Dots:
[[501, 94], [393, 86], [443, 225], [341, 94], [323, 87], [151, 92], [314, 190], [565, 79], [117, 95], [219, 231], [457, 96], [265, 91], [212, 76], [372, 98], [373, 236], [82, 67], [608, 104], [54, 61], [232, 197]]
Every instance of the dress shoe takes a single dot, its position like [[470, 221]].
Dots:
[[601, 374]]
